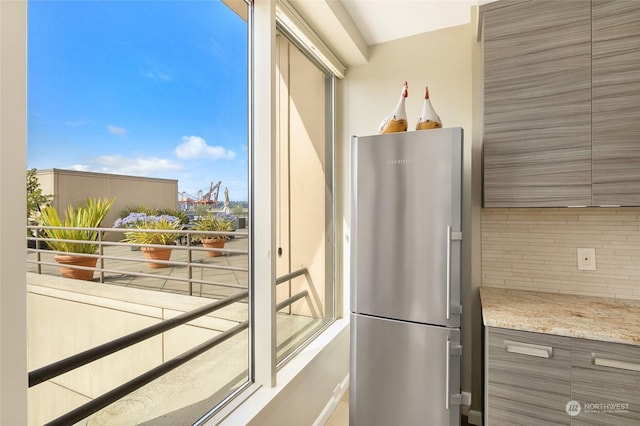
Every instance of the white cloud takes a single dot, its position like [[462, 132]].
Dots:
[[138, 166], [79, 167], [117, 131], [158, 75], [196, 147]]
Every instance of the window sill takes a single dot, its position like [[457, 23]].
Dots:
[[312, 377]]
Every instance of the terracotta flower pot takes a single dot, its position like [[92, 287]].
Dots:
[[154, 253], [213, 243], [72, 259]]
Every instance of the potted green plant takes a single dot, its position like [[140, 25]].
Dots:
[[147, 229], [76, 241], [212, 224], [128, 217]]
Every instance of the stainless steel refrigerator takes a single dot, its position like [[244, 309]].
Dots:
[[406, 237]]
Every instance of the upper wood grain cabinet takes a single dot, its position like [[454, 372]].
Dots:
[[616, 102], [537, 104], [561, 103]]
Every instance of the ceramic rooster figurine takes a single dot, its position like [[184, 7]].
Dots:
[[428, 118], [397, 120]]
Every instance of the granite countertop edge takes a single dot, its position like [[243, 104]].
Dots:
[[586, 317]]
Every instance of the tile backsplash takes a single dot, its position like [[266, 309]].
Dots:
[[536, 249]]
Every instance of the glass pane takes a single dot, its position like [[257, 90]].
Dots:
[[304, 230], [145, 102]]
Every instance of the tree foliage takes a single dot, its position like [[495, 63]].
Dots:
[[36, 200]]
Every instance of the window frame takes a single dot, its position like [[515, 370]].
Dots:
[[331, 312]]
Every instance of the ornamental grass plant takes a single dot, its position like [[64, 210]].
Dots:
[[217, 223], [89, 216]]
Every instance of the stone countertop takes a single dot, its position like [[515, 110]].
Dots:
[[586, 317]]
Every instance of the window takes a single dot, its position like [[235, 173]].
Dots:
[[142, 119], [157, 89], [304, 197]]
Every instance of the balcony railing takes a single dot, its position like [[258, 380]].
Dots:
[[76, 361], [115, 260], [189, 262]]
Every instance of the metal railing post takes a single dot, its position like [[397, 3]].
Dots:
[[38, 255], [101, 252], [189, 268]]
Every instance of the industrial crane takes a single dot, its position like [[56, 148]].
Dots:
[[206, 198]]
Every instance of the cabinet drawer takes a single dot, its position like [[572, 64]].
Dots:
[[529, 379], [605, 380]]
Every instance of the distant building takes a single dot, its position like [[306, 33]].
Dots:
[[70, 187]]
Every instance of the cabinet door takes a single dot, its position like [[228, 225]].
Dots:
[[528, 378], [605, 380], [616, 102], [537, 104]]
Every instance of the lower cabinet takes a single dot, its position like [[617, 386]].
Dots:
[[605, 380], [529, 378], [542, 379]]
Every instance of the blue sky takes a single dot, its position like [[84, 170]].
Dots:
[[143, 88]]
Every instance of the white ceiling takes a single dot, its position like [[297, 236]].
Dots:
[[386, 20], [349, 27]]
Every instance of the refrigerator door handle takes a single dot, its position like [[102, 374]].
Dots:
[[451, 236], [448, 301]]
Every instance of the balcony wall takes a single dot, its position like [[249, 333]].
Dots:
[[68, 316]]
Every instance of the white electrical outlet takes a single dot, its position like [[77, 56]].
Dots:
[[586, 259]]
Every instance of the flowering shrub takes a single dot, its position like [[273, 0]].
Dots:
[[145, 224], [154, 212], [133, 220], [228, 217]]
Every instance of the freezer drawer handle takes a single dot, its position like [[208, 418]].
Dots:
[[614, 363], [446, 379], [528, 349], [455, 399]]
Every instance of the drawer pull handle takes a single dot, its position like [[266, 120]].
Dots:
[[528, 349], [614, 363]]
